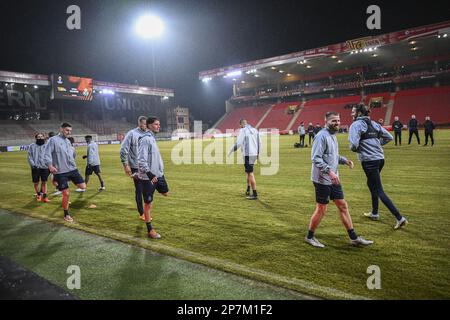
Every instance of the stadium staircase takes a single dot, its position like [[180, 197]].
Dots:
[[278, 117], [251, 114], [314, 110], [264, 117], [294, 119], [220, 120], [389, 109]]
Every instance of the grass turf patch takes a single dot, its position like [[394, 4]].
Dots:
[[207, 219]]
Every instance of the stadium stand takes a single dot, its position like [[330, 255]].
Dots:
[[433, 102], [22, 132], [314, 110], [252, 114], [279, 117]]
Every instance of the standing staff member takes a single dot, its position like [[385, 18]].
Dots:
[[93, 161], [250, 143], [366, 138], [60, 161], [413, 125], [301, 132], [129, 159], [151, 172], [429, 127], [325, 177], [310, 132], [39, 170], [397, 126]]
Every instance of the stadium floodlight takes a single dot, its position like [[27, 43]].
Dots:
[[445, 35], [236, 73], [207, 79], [256, 75], [149, 26], [36, 87]]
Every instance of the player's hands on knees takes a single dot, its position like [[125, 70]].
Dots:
[[127, 170], [334, 178]]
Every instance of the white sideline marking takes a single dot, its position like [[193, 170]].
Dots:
[[215, 263]]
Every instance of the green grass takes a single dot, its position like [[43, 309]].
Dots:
[[114, 270], [206, 219]]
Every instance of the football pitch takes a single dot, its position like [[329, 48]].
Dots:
[[207, 220]]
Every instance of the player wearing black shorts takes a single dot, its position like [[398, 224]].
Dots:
[[324, 174], [250, 143], [39, 171], [93, 162], [151, 172], [60, 161]]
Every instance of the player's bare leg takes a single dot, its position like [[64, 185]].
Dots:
[[314, 222], [36, 191], [252, 182], [347, 222], [148, 221], [44, 191], [65, 205], [102, 184]]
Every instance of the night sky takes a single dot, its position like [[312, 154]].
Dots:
[[200, 35]]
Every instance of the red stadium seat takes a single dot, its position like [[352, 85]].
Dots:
[[433, 102], [279, 118], [251, 114]]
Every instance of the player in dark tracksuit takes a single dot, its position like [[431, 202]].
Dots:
[[412, 126], [397, 126], [367, 137], [429, 127], [310, 131]]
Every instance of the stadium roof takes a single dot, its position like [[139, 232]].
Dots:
[[431, 42], [44, 80]]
